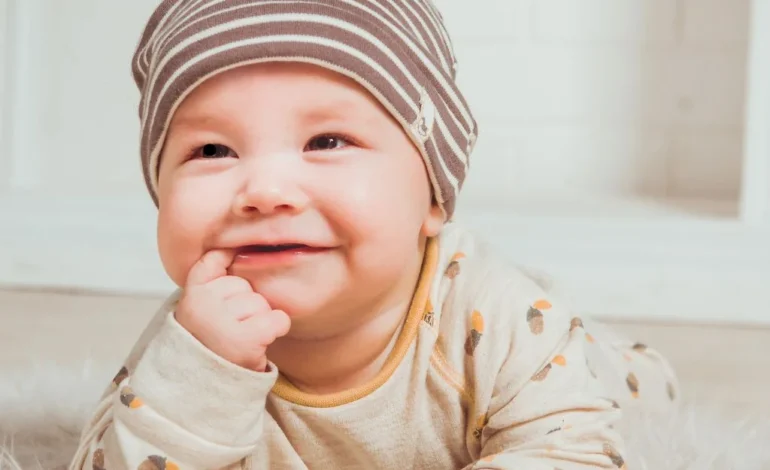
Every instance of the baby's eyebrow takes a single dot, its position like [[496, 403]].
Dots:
[[196, 121], [344, 114], [321, 114]]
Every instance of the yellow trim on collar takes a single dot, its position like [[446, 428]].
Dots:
[[284, 389]]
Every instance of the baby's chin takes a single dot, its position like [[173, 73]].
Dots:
[[297, 296]]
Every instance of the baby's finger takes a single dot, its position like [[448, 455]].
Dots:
[[212, 265], [246, 305], [267, 327], [229, 286]]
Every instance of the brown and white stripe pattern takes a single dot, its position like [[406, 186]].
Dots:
[[399, 50]]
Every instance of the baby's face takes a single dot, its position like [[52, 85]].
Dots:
[[289, 154]]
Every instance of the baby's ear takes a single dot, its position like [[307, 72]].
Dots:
[[434, 221]]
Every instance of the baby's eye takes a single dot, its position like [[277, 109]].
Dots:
[[210, 151], [326, 142]]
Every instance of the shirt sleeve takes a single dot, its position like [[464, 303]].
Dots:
[[539, 405], [177, 406]]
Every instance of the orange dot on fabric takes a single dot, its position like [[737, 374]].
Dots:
[[458, 256], [129, 399], [560, 360], [477, 321], [542, 304], [155, 462], [489, 458], [590, 338]]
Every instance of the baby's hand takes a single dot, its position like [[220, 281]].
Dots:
[[225, 314]]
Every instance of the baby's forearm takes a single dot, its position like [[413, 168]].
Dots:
[[181, 407]]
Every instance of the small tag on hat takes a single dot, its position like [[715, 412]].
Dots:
[[423, 125]]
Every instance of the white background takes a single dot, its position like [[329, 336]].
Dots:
[[623, 150]]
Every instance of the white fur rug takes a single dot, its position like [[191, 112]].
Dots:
[[42, 410]]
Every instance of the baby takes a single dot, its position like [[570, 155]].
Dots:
[[305, 158]]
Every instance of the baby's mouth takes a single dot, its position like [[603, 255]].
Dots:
[[251, 257], [275, 248], [260, 256], [269, 250]]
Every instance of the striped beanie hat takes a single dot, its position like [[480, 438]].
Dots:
[[398, 50]]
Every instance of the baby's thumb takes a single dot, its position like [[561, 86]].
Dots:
[[212, 265]]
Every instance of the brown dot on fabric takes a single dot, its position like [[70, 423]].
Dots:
[[474, 336], [614, 455], [120, 376], [535, 316], [454, 266], [633, 384], [98, 461], [535, 321], [542, 374], [639, 347], [576, 323], [128, 398], [155, 462], [453, 270]]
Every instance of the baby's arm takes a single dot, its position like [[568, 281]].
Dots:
[[541, 406], [193, 392], [180, 407]]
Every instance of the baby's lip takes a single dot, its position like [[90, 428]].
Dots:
[[273, 247]]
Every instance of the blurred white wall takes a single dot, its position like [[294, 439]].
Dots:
[[608, 96], [583, 106]]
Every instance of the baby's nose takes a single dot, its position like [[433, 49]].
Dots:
[[269, 191]]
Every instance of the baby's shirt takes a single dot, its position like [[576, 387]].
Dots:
[[487, 372]]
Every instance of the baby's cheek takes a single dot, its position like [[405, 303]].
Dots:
[[180, 241]]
